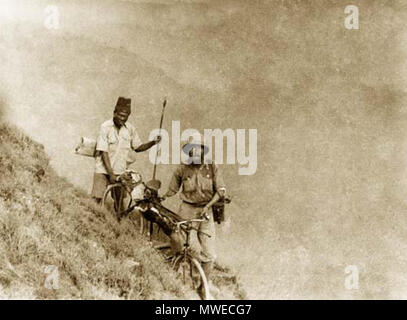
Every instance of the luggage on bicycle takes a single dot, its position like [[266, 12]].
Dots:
[[86, 147], [218, 209], [133, 182], [218, 212]]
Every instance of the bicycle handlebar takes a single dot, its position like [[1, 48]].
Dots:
[[182, 224], [189, 221]]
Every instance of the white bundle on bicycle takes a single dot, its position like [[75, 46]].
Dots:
[[138, 192], [133, 182], [86, 147]]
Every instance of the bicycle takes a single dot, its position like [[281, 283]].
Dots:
[[121, 195], [121, 198], [184, 262]]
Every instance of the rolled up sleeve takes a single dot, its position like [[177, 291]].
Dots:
[[102, 142]]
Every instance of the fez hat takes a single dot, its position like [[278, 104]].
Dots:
[[123, 104]]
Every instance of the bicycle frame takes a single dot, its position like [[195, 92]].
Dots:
[[186, 226], [183, 258]]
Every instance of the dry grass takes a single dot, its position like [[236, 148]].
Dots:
[[45, 221]]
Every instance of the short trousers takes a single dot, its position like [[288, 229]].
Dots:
[[202, 242], [100, 183]]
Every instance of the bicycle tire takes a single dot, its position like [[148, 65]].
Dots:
[[108, 192], [194, 262]]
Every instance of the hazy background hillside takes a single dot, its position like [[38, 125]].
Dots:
[[328, 104]]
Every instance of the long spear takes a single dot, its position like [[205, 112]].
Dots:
[[159, 133], [156, 184]]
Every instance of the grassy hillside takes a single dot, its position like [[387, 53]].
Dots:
[[45, 221]]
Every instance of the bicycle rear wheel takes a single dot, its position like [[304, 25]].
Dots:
[[192, 274], [119, 197]]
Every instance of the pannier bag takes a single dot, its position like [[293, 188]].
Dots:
[[133, 182], [218, 209]]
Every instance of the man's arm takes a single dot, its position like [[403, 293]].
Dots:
[[215, 199], [219, 183], [175, 184], [102, 146], [219, 187], [145, 146], [108, 166], [148, 145]]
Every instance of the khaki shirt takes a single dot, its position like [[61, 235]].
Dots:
[[199, 183], [118, 143]]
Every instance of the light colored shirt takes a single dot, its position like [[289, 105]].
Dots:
[[118, 143], [199, 183]]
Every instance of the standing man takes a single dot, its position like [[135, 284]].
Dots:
[[202, 186], [116, 139]]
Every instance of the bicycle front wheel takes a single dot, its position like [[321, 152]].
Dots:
[[192, 274], [119, 197]]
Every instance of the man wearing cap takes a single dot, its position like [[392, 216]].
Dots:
[[202, 186], [116, 139]]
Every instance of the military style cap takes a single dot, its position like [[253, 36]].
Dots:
[[123, 104]]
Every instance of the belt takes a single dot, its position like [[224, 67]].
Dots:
[[197, 205]]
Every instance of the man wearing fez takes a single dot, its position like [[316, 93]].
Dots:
[[116, 139]]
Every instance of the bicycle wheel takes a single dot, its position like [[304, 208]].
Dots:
[[120, 198], [192, 274]]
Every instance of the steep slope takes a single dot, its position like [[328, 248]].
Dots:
[[45, 221]]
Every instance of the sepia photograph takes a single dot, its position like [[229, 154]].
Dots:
[[175, 150]]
